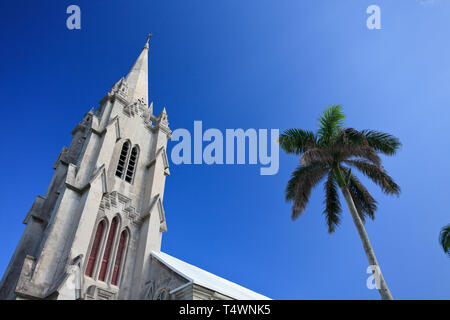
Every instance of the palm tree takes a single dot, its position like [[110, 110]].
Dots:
[[444, 239], [332, 152]]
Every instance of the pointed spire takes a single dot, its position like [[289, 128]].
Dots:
[[150, 107], [137, 78], [162, 119]]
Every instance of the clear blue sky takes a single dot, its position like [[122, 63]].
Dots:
[[248, 64]]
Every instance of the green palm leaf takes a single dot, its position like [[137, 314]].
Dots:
[[331, 122], [377, 175], [332, 204], [382, 142], [297, 140], [444, 239], [300, 185], [321, 155], [364, 202]]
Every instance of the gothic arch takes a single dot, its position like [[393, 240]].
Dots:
[[120, 257], [96, 247], [102, 246], [108, 252], [127, 163], [118, 214]]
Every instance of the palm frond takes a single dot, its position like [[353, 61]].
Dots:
[[331, 122], [297, 140], [444, 239], [322, 155], [347, 151], [364, 202], [299, 187], [332, 204], [377, 174], [382, 142], [350, 136], [350, 143]]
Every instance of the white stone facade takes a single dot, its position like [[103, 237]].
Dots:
[[51, 259]]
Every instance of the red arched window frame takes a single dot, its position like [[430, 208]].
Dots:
[[108, 249], [95, 248], [119, 257]]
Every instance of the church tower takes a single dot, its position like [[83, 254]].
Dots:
[[92, 234]]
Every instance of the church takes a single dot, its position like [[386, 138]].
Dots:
[[96, 234]]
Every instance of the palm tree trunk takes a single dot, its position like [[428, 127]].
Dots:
[[383, 288]]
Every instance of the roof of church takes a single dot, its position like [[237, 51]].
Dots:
[[207, 279]]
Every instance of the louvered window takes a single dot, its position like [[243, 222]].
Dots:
[[131, 165], [123, 159], [127, 162]]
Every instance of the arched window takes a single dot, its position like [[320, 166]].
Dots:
[[95, 248], [123, 159], [108, 249], [119, 257], [131, 164]]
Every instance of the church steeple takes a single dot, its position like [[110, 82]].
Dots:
[[102, 214], [137, 78]]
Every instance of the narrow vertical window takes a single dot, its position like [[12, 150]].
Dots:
[[119, 257], [108, 248], [122, 159], [131, 165], [95, 248]]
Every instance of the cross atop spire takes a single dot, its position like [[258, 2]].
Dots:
[[148, 40]]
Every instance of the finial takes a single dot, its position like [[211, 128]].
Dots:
[[148, 38]]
